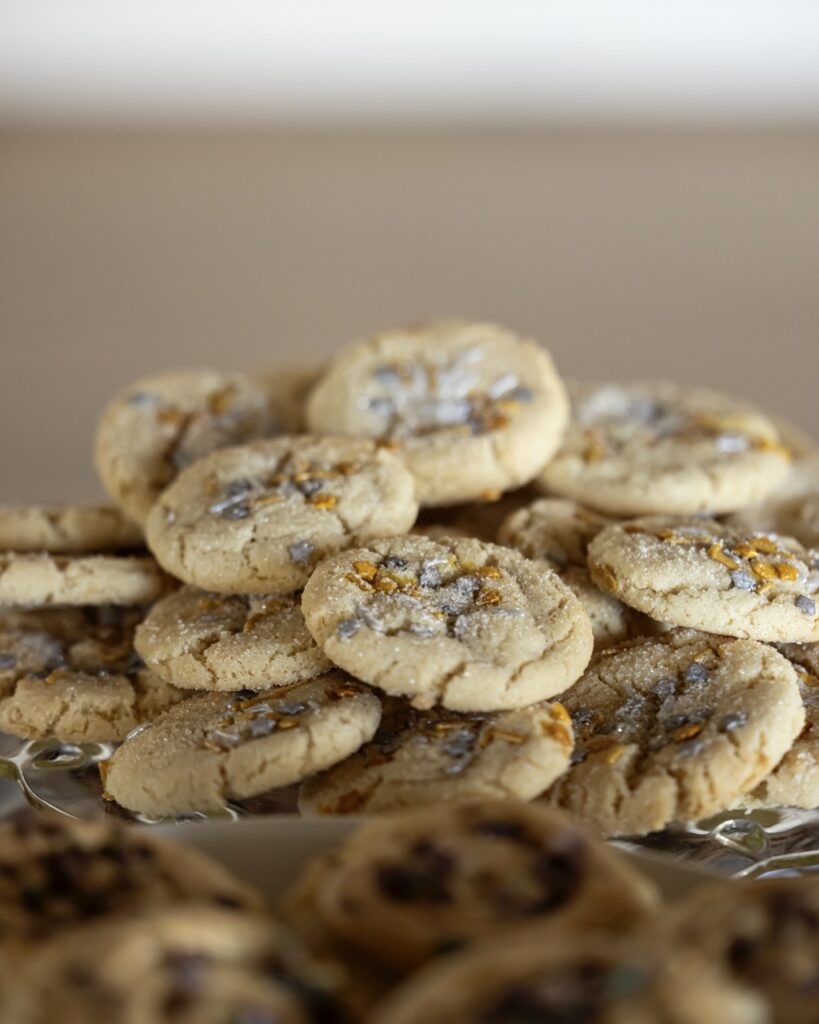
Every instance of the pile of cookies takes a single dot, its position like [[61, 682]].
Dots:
[[498, 912], [430, 571]]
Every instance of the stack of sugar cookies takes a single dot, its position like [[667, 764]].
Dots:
[[429, 572]]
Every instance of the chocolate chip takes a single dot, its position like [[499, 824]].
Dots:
[[308, 487], [805, 604], [234, 512], [696, 673], [7, 661], [394, 562], [666, 687]]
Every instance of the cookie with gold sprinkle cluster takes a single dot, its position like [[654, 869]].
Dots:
[[255, 519], [474, 408], [159, 425], [422, 757], [460, 623], [675, 728], [216, 747], [634, 449], [701, 573]]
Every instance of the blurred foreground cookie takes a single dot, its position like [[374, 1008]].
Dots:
[[558, 531], [205, 641], [216, 747], [461, 623], [419, 758], [700, 573], [40, 579], [407, 887], [656, 447], [588, 979], [66, 529], [56, 873], [159, 425], [73, 674], [675, 728], [255, 519], [189, 964], [473, 407], [764, 934]]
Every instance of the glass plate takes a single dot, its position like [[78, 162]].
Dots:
[[64, 777]]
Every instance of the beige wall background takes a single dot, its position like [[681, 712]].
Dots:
[[650, 252]]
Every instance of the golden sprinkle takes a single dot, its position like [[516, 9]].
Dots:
[[716, 553], [323, 501], [614, 755], [764, 587], [290, 722], [491, 572], [785, 571], [630, 527], [488, 597], [366, 570], [687, 732], [490, 495], [764, 444], [496, 421], [221, 401], [606, 577], [508, 406], [345, 691], [748, 550], [765, 545], [503, 734], [385, 585], [268, 499], [665, 535], [764, 570], [559, 711], [210, 745], [359, 582], [556, 731]]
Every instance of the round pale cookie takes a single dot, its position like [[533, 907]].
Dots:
[[190, 965], [159, 425], [475, 408], [216, 747], [532, 976], [66, 529], [675, 728], [255, 519], [407, 887], [704, 574], [461, 623], [426, 757], [35, 580], [655, 447], [795, 780], [558, 531], [765, 936], [76, 676], [289, 387], [57, 873], [204, 641]]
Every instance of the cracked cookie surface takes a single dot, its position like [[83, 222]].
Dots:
[[40, 579], [458, 622], [633, 449], [159, 425], [408, 886], [422, 757], [255, 519], [73, 674], [473, 407], [558, 531], [203, 641], [66, 529], [675, 728], [707, 575], [217, 747]]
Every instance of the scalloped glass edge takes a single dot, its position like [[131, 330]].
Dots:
[[738, 843]]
